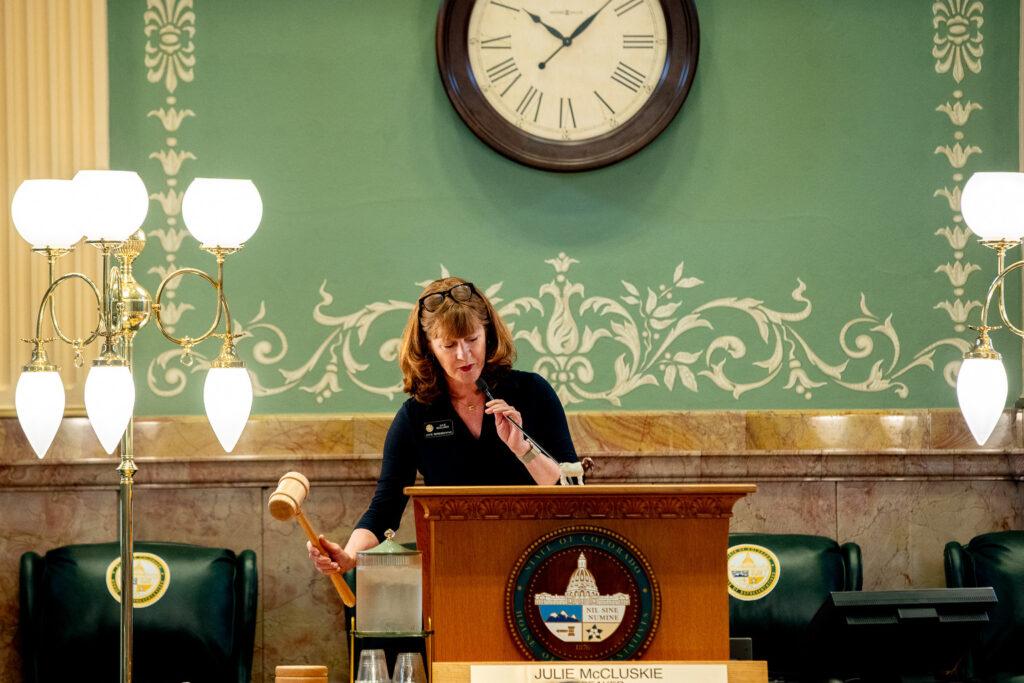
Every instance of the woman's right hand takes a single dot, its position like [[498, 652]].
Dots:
[[334, 561]]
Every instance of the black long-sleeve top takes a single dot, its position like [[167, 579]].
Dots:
[[433, 439]]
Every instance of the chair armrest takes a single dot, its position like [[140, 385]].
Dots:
[[246, 592], [30, 573], [956, 564], [854, 566]]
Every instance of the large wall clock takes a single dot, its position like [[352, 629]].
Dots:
[[567, 85]]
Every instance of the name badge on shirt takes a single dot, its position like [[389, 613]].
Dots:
[[438, 429]]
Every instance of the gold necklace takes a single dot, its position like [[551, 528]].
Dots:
[[470, 406]]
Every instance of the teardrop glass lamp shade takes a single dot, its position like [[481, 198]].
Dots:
[[228, 397], [39, 400], [109, 402], [981, 391]]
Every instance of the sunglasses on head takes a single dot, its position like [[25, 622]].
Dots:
[[462, 293]]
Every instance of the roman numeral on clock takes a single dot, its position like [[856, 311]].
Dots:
[[524, 104], [637, 41], [565, 113], [604, 102], [627, 6], [505, 43], [628, 77], [502, 69]]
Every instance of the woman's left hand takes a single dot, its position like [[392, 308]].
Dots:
[[512, 437]]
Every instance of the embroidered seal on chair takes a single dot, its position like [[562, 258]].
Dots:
[[753, 571], [151, 577]]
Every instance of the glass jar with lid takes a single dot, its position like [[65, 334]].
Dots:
[[389, 585]]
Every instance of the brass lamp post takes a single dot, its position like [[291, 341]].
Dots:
[[107, 208], [992, 205]]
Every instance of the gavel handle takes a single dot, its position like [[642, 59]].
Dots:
[[344, 591]]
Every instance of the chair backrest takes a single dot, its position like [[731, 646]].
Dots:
[[194, 619], [996, 560], [777, 612]]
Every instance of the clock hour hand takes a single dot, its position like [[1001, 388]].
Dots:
[[551, 29], [586, 22]]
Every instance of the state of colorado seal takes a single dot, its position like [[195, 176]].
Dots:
[[580, 593], [753, 571], [150, 575]]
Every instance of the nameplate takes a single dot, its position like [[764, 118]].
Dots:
[[599, 672]]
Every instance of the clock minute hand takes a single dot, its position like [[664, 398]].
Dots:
[[586, 22], [551, 29]]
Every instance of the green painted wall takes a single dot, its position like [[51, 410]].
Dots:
[[802, 185]]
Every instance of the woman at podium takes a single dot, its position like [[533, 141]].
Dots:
[[448, 430]]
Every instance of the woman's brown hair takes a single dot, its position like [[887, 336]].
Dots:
[[422, 376]]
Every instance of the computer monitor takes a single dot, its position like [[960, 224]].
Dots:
[[921, 634]]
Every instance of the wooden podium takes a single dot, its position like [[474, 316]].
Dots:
[[472, 537]]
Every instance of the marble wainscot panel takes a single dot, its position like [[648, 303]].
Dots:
[[900, 484], [797, 507], [902, 527]]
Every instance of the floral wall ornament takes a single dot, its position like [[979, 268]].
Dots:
[[170, 26], [600, 348], [956, 43], [959, 311], [956, 236], [171, 118], [951, 196], [171, 160], [170, 30], [168, 374], [957, 40], [959, 112], [170, 201], [958, 272], [957, 154]]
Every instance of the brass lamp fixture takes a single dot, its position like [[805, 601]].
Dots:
[[992, 205], [107, 208]]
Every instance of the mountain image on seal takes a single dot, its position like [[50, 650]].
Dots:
[[562, 616]]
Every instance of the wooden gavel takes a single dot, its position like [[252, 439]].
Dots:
[[285, 503]]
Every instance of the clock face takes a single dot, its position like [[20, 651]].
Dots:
[[567, 85], [567, 71]]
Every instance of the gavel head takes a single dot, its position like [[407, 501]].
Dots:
[[291, 492]]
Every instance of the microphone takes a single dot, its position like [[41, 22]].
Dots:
[[482, 386]]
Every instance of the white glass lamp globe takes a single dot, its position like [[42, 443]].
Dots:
[[222, 212], [992, 205], [228, 397], [981, 392], [39, 400], [46, 213], [113, 204], [109, 401]]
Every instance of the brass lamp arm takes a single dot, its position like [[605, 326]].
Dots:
[[997, 284], [47, 299], [181, 272]]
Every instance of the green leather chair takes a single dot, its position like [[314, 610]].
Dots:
[[780, 624], [996, 560], [201, 629]]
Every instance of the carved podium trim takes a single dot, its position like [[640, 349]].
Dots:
[[576, 503]]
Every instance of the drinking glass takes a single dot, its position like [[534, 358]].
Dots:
[[409, 668], [372, 667]]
